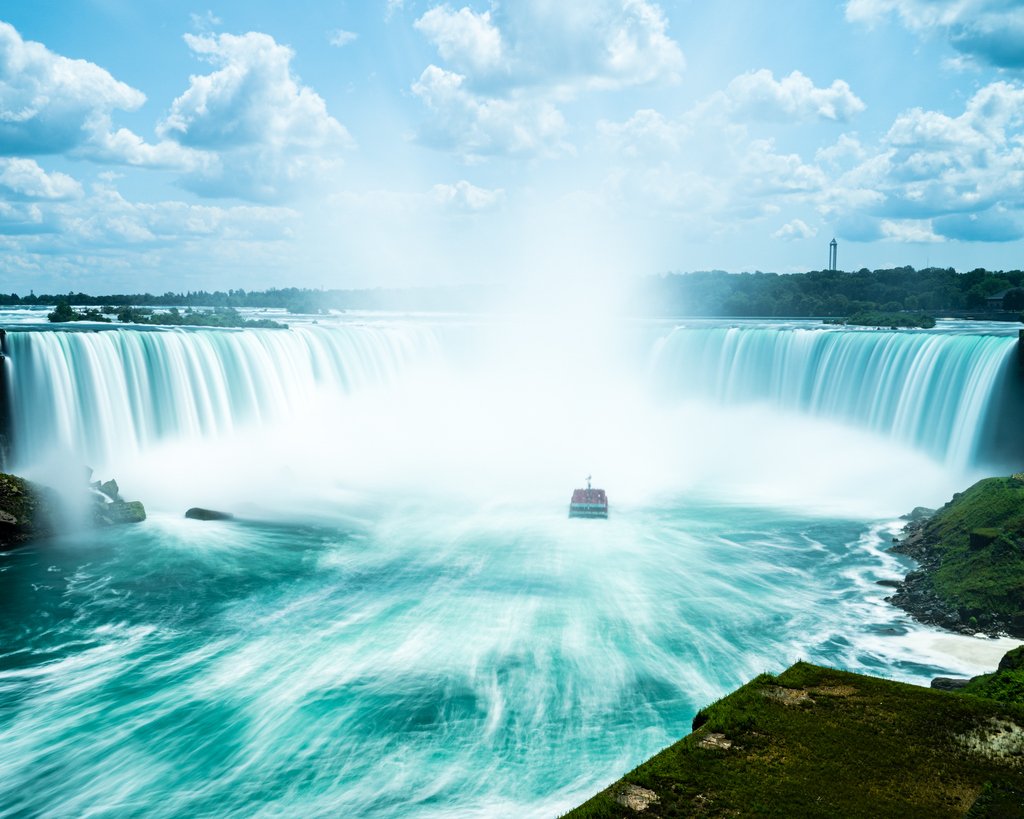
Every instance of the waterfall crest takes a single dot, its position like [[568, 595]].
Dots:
[[121, 390], [929, 390]]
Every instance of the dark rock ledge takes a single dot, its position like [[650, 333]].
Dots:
[[30, 511]]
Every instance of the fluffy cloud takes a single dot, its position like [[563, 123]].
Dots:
[[797, 229], [48, 103], [23, 179], [646, 133], [105, 218], [932, 177], [269, 134], [758, 95], [51, 104], [468, 40], [468, 197], [340, 38], [749, 98], [508, 69], [989, 30], [935, 176], [476, 125]]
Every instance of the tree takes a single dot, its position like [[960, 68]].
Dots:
[[62, 312]]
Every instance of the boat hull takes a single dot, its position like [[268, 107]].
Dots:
[[579, 510]]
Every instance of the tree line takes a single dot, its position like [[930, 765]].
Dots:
[[817, 293], [830, 293]]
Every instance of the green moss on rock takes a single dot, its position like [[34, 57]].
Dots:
[[813, 741], [971, 553], [27, 511]]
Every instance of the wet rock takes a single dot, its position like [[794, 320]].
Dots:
[[28, 511], [110, 489], [120, 512], [199, 513]]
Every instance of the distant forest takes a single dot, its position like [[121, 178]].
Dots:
[[819, 293], [829, 294]]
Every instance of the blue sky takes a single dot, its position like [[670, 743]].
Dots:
[[176, 146]]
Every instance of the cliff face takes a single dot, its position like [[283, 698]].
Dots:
[[817, 742], [971, 551]]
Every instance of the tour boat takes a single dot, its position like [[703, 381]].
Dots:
[[588, 503]]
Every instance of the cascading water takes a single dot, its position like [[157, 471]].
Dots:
[[929, 390], [100, 395], [404, 621]]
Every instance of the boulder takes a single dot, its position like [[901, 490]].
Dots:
[[119, 512], [199, 513], [29, 511], [110, 489]]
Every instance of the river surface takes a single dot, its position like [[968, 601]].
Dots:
[[401, 620]]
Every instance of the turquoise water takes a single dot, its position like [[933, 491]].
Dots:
[[403, 620], [465, 663]]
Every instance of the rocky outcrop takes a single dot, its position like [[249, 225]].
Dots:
[[970, 577], [30, 511], [110, 509]]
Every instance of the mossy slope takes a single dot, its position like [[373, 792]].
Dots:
[[972, 561], [818, 742]]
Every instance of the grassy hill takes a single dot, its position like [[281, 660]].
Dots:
[[971, 553], [813, 741]]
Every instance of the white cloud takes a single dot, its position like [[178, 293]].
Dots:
[[935, 176], [24, 179], [339, 38], [476, 125], [908, 230], [468, 40], [758, 95], [797, 229], [989, 30], [846, 150], [271, 135], [932, 177], [105, 218], [205, 22], [51, 104], [392, 7], [520, 61], [466, 196], [646, 133], [47, 101]]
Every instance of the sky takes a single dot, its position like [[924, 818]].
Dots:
[[179, 146]]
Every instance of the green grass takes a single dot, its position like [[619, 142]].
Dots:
[[819, 742], [1006, 684], [989, 577]]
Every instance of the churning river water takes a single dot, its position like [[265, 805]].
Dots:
[[402, 620]]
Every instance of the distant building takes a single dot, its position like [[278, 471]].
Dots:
[[833, 254], [1010, 299]]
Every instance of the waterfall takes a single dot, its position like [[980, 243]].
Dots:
[[931, 390], [118, 391]]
